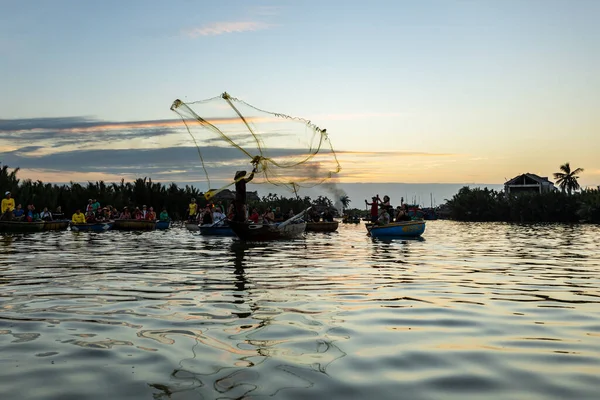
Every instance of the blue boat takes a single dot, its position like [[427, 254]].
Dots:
[[223, 230], [95, 227], [162, 225], [397, 229]]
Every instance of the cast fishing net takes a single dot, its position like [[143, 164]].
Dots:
[[232, 135]]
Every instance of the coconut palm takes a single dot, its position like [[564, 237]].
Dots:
[[567, 179], [345, 201]]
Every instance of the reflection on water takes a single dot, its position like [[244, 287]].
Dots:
[[472, 310]]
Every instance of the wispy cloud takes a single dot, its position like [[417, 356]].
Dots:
[[265, 10], [392, 153], [221, 28], [355, 116], [80, 132]]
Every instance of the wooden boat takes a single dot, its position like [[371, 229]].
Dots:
[[348, 219], [192, 226], [209, 230], [162, 225], [323, 226], [92, 227], [291, 228], [56, 225], [397, 229], [260, 232], [134, 225], [21, 227]]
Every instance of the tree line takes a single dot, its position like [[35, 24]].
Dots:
[[568, 205], [141, 191], [490, 205]]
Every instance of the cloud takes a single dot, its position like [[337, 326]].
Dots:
[[76, 133], [81, 124], [356, 116], [265, 10], [221, 28], [47, 133], [172, 163], [392, 153]]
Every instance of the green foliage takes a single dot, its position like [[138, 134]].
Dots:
[[272, 201], [345, 200], [489, 205]]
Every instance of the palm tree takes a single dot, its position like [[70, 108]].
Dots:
[[345, 200], [567, 179]]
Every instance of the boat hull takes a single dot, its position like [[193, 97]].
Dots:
[[261, 232], [162, 225], [397, 229], [322, 226], [21, 227], [59, 225], [192, 227], [95, 227], [134, 225], [216, 230]]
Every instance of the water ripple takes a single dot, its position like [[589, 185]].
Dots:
[[483, 310]]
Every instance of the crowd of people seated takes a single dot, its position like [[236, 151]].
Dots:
[[215, 214], [17, 213], [93, 212], [325, 216]]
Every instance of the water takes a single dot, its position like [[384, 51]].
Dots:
[[482, 311]]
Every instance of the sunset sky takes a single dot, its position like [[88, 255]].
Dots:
[[415, 92]]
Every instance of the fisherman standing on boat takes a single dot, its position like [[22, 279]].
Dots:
[[240, 193], [90, 206], [192, 208], [8, 205], [95, 206], [374, 208]]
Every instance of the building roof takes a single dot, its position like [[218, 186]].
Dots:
[[227, 194], [539, 179]]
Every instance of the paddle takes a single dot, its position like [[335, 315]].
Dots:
[[292, 219], [216, 222]]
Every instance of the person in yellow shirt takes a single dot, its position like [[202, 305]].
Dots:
[[192, 208], [78, 217], [8, 205]]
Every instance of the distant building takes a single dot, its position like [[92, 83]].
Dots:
[[528, 183]]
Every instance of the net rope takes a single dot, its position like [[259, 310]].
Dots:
[[283, 150]]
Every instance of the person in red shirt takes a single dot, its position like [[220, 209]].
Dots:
[[151, 215], [374, 208], [254, 216]]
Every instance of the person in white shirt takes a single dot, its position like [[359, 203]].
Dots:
[[89, 207], [46, 215], [218, 216]]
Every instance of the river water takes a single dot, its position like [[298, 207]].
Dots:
[[475, 310]]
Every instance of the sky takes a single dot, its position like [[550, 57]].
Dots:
[[431, 91]]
